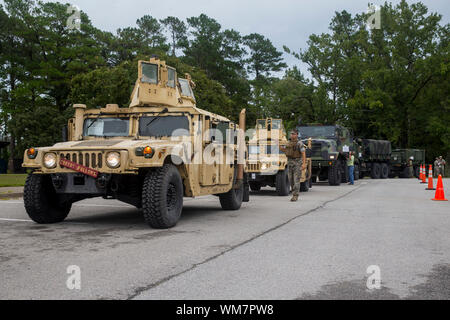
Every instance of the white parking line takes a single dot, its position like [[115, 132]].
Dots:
[[19, 220], [80, 205]]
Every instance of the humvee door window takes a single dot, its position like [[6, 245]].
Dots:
[[164, 126], [171, 78], [149, 73], [253, 149], [276, 124], [186, 88], [272, 149], [106, 127], [261, 124]]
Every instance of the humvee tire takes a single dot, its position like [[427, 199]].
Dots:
[[356, 172], [254, 186], [375, 173], [42, 203], [384, 171], [162, 197], [304, 186], [232, 200], [282, 183], [334, 175]]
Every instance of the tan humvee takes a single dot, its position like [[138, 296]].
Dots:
[[150, 154], [267, 164]]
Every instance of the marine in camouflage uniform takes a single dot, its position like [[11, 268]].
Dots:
[[295, 152]]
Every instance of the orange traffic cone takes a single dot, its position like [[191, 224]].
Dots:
[[439, 196], [420, 173], [424, 175], [430, 179]]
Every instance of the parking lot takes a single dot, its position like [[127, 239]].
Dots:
[[317, 248]]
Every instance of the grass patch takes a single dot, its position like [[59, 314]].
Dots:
[[12, 180]]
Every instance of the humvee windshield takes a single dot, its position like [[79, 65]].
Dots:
[[149, 73], [276, 124], [261, 124], [317, 132], [106, 127], [253, 149], [164, 126]]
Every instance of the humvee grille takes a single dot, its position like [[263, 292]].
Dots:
[[88, 159], [253, 167]]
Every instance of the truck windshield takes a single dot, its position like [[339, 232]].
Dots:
[[106, 127], [317, 132], [163, 126]]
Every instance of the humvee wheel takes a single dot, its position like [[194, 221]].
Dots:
[[255, 186], [304, 186], [162, 197], [282, 183], [375, 173], [334, 175], [42, 203], [232, 200]]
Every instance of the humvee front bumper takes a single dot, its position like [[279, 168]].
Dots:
[[78, 183]]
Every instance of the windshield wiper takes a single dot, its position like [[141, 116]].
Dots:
[[95, 120], [157, 116]]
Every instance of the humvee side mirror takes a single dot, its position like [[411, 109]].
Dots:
[[64, 133]]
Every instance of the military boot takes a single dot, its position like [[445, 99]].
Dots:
[[294, 198]]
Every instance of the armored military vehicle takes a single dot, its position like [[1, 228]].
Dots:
[[150, 154], [372, 158], [267, 164], [402, 159], [330, 146]]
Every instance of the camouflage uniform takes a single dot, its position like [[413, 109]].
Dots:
[[294, 150]]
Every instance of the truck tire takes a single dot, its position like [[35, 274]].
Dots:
[[345, 173], [375, 172], [334, 175], [41, 201], [356, 172], [162, 197], [282, 183], [255, 186], [384, 171], [232, 200], [405, 173]]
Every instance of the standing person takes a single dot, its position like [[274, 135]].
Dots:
[[296, 153], [411, 167], [436, 167], [351, 167], [442, 164]]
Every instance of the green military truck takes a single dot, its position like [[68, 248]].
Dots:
[[330, 145], [403, 159], [372, 158]]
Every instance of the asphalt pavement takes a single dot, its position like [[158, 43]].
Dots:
[[317, 248]]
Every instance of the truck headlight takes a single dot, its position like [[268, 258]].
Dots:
[[113, 159], [332, 157], [50, 160]]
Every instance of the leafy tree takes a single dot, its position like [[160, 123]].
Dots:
[[178, 32]]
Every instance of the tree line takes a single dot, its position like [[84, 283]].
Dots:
[[390, 83]]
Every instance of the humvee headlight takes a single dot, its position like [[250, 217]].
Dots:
[[264, 166], [32, 153], [113, 159], [50, 160]]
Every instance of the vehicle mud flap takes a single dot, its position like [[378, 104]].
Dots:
[[246, 196]]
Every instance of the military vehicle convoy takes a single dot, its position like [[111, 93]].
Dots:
[[330, 150], [403, 159], [267, 164], [151, 154]]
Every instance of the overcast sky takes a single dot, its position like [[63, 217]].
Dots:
[[284, 22]]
